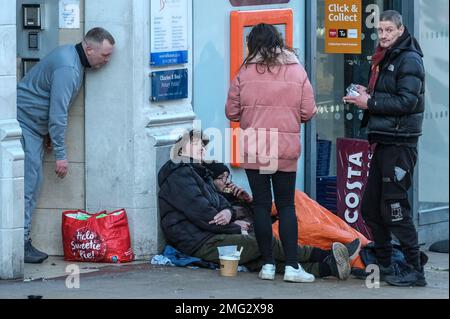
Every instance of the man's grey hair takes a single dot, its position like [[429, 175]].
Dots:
[[392, 16], [98, 35]]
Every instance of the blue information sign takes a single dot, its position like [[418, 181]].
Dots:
[[169, 85], [168, 58]]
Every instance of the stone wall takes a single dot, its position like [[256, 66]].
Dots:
[[11, 154]]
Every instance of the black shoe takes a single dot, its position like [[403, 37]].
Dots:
[[391, 270], [353, 249], [359, 273], [339, 261], [32, 255], [409, 277], [423, 259]]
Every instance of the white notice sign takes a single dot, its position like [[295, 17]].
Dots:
[[169, 32], [69, 14]]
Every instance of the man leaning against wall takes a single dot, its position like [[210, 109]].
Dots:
[[44, 97]]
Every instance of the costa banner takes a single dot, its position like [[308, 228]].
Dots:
[[353, 163]]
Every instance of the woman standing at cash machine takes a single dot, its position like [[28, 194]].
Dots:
[[271, 96]]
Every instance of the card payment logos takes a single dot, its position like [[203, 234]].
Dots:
[[352, 34], [342, 33]]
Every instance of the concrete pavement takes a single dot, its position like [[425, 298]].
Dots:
[[145, 281]]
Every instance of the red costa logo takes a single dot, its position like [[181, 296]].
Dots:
[[87, 245], [333, 33]]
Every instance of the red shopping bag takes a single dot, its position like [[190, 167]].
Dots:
[[101, 237]]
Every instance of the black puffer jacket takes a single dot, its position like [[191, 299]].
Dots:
[[188, 201], [396, 109]]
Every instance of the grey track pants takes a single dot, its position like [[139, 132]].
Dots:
[[33, 146]]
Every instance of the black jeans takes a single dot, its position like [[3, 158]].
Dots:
[[284, 192], [386, 207]]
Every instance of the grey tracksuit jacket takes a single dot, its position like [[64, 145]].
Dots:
[[45, 94]]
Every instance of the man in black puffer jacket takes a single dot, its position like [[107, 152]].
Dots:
[[394, 111]]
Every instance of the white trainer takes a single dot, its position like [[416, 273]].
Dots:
[[267, 272], [297, 275]]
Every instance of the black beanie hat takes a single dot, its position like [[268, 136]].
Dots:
[[216, 169]]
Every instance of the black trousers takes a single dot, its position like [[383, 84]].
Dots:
[[386, 207], [284, 192]]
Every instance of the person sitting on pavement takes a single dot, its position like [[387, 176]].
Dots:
[[196, 219], [240, 200]]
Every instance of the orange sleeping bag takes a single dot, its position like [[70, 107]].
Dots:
[[319, 227]]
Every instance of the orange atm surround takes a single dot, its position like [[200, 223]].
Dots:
[[239, 21]]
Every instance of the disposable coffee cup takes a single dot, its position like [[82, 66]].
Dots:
[[229, 266]]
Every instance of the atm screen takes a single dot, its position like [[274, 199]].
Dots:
[[280, 27]]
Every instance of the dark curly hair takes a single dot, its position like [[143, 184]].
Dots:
[[264, 39]]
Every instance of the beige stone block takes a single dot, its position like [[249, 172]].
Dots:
[[74, 141], [98, 11], [78, 105], [46, 231], [71, 36], [68, 192], [146, 236]]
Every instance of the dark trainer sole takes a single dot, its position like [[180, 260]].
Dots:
[[40, 261], [419, 283]]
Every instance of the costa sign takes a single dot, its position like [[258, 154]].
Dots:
[[353, 163]]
